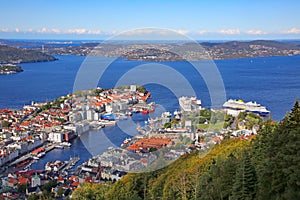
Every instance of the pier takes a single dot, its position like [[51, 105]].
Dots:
[[49, 147]]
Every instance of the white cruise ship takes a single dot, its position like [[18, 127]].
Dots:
[[189, 104], [234, 107]]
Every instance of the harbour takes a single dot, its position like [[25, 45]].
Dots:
[[99, 136]]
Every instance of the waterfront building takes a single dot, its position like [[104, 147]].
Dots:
[[90, 115], [189, 104], [56, 137], [165, 117]]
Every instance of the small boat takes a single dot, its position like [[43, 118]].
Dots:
[[107, 123], [129, 113], [126, 141], [21, 164], [59, 147], [35, 158], [66, 144], [145, 112], [41, 154]]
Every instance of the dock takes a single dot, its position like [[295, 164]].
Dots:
[[50, 147], [71, 163]]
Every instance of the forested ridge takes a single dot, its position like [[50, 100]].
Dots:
[[17, 55], [266, 166]]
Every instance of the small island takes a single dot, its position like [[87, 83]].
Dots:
[[10, 69]]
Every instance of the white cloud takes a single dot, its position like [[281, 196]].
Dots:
[[183, 32], [202, 32], [43, 30], [141, 32], [230, 31], [292, 31], [94, 32], [55, 30], [5, 30], [256, 32], [145, 32], [78, 31], [154, 31]]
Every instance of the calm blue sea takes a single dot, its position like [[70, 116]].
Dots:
[[270, 81]]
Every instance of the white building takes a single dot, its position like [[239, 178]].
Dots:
[[132, 88], [90, 115], [35, 181], [55, 137], [189, 104]]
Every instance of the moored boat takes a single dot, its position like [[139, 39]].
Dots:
[[66, 144], [59, 147]]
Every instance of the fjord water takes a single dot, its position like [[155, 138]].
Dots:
[[271, 81]]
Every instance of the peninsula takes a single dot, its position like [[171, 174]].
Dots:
[[18, 55]]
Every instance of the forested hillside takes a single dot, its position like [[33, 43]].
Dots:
[[17, 55]]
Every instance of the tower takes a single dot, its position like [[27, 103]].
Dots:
[[35, 181]]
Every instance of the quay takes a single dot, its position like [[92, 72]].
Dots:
[[49, 148], [71, 163]]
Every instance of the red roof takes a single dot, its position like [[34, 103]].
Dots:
[[60, 179], [12, 180], [73, 177], [38, 150], [75, 184], [89, 180], [22, 180]]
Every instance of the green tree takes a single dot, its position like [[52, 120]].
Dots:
[[60, 191], [22, 188], [168, 125], [245, 183], [34, 197], [227, 176], [141, 89], [282, 163], [91, 191]]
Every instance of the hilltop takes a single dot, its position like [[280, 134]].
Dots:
[[17, 55]]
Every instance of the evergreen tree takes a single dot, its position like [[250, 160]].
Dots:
[[260, 159], [282, 163], [228, 176], [245, 181]]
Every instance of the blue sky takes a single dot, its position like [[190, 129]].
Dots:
[[199, 19]]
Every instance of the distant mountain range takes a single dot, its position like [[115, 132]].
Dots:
[[185, 51], [149, 51], [18, 55]]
